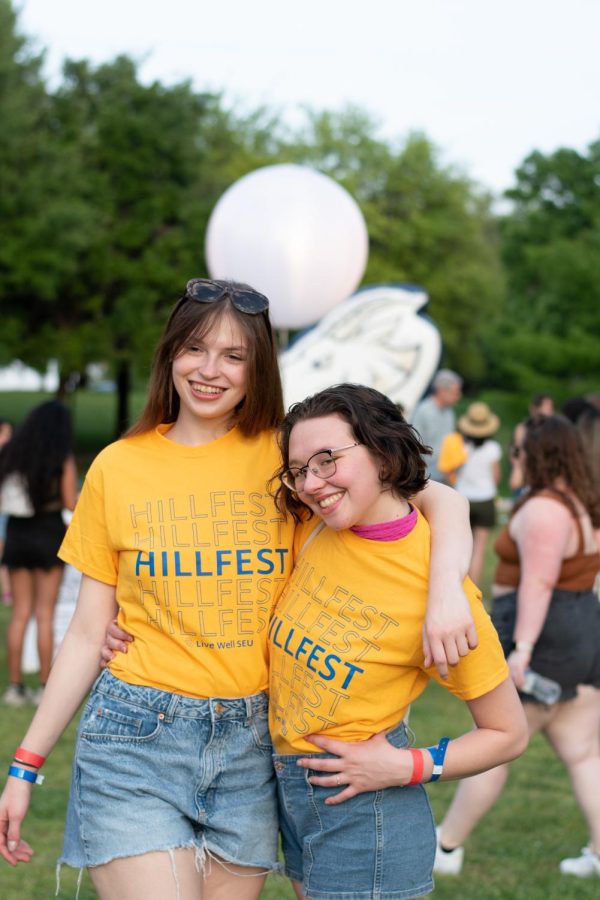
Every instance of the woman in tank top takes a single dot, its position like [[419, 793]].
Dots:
[[548, 617]]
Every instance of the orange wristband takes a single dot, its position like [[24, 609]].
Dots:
[[30, 759], [418, 766]]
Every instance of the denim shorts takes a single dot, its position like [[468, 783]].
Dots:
[[159, 771], [376, 846]]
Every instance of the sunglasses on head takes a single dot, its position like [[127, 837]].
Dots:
[[246, 300]]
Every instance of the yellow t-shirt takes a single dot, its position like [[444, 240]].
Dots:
[[198, 554], [345, 640]]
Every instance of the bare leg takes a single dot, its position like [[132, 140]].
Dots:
[[480, 539], [226, 881], [298, 890], [175, 875], [21, 582], [5, 581], [153, 876], [46, 585], [574, 735], [475, 796]]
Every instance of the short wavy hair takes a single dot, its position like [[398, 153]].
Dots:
[[376, 422]]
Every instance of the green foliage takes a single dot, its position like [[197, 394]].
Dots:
[[427, 224], [93, 417], [107, 185], [551, 249], [44, 224]]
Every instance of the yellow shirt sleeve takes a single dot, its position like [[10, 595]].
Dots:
[[87, 545], [484, 668]]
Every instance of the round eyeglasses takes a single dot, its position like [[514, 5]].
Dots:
[[203, 290], [321, 464]]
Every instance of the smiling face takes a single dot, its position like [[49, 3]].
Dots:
[[210, 376], [353, 494]]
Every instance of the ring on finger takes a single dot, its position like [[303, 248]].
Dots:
[[337, 780]]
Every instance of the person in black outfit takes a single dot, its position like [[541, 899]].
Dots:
[[38, 479]]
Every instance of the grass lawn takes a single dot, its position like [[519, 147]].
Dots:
[[513, 855]]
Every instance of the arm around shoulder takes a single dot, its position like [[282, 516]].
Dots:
[[449, 632]]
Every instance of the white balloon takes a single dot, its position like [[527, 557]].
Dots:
[[292, 233]]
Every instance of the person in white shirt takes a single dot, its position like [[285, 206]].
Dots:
[[478, 478]]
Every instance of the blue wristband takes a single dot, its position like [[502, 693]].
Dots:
[[25, 775], [438, 755]]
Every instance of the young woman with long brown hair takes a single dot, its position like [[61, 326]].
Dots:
[[173, 790]]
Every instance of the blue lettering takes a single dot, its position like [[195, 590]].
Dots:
[[261, 558], [287, 642], [142, 562], [330, 670], [221, 561], [165, 562], [314, 653], [302, 646], [282, 553], [241, 562], [353, 670], [199, 570], [177, 565]]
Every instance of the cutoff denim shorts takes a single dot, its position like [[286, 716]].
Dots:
[[158, 771], [379, 845]]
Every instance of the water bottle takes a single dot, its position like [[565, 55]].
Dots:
[[544, 690]]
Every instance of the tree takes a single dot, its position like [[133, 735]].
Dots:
[[44, 225], [107, 186], [427, 224], [551, 250], [157, 160]]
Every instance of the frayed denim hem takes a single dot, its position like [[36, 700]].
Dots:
[[204, 857]]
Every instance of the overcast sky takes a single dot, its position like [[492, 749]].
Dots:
[[487, 80]]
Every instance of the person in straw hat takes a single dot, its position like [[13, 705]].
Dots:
[[478, 478]]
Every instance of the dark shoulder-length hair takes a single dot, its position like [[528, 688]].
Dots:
[[554, 453], [38, 450], [262, 407], [376, 423]]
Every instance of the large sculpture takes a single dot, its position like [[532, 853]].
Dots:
[[377, 338]]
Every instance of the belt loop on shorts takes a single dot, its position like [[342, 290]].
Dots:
[[249, 708], [172, 707]]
